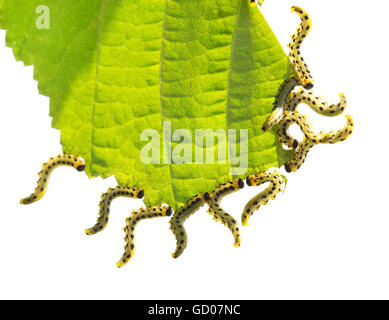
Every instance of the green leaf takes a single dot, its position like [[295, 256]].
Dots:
[[113, 68]]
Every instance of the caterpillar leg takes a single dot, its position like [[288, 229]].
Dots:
[[47, 169], [311, 138], [129, 229], [219, 214], [316, 104], [180, 216], [279, 103], [301, 67], [275, 183], [105, 203]]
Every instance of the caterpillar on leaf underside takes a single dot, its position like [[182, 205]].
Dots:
[[105, 203], [275, 183], [310, 138], [47, 169], [131, 223], [303, 75], [219, 214], [180, 216]]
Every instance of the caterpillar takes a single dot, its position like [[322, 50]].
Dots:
[[105, 202], [262, 198], [279, 103], [219, 214], [290, 117], [301, 68], [310, 138], [47, 169], [129, 229], [321, 137], [285, 137], [180, 216], [295, 117], [316, 104]]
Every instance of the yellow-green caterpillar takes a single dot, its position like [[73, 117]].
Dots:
[[279, 103], [262, 198], [180, 216], [129, 229], [310, 138], [105, 203], [47, 169], [219, 214], [283, 129], [315, 103], [301, 68]]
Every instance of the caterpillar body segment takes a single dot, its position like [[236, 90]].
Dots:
[[301, 68], [47, 169], [279, 103], [275, 186], [105, 203], [180, 216], [316, 104], [131, 223], [219, 214]]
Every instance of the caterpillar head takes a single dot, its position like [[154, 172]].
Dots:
[[140, 194], [167, 211], [79, 164]]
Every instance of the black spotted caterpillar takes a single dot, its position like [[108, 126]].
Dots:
[[47, 169], [105, 202], [132, 221]]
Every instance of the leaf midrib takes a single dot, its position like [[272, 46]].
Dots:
[[228, 85], [160, 95], [230, 73], [96, 79]]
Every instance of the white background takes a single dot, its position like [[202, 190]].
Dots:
[[326, 237]]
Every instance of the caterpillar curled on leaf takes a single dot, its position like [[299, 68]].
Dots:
[[299, 119], [275, 183], [315, 103], [301, 68], [321, 137], [219, 214], [47, 169], [279, 103], [180, 216], [105, 203], [284, 135], [129, 229], [310, 138]]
